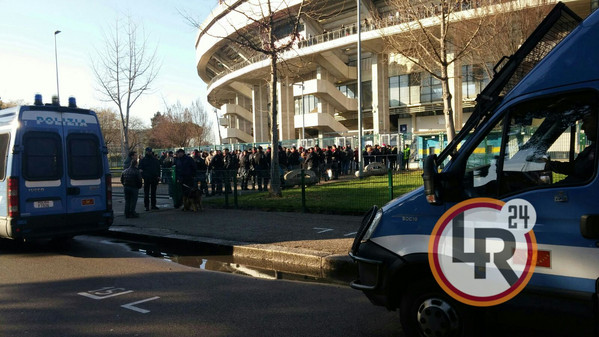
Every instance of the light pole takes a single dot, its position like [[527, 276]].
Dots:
[[220, 139], [303, 116], [301, 85], [56, 59], [359, 56]]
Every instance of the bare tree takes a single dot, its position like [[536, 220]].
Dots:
[[110, 125], [138, 134], [434, 35], [124, 70], [180, 126], [512, 27], [10, 104], [259, 36], [199, 116]]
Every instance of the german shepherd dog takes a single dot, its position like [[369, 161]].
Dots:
[[192, 199]]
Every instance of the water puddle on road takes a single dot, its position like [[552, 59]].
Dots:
[[217, 261]]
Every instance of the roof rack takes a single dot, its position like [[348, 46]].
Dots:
[[511, 69]]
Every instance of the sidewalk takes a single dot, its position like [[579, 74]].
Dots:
[[308, 244]]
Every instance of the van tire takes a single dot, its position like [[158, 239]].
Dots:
[[449, 318]]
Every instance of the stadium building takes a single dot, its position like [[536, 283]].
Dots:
[[317, 82]]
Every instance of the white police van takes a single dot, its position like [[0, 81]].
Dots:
[[511, 204], [54, 176]]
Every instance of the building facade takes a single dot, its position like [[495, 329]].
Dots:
[[317, 83]]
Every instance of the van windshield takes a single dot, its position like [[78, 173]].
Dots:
[[541, 142]]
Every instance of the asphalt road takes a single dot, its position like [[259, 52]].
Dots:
[[94, 287]]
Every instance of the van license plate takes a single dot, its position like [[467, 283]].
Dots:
[[87, 202], [43, 204]]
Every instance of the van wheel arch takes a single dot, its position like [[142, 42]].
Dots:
[[426, 310], [413, 267]]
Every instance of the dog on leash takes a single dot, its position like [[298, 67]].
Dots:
[[192, 199]]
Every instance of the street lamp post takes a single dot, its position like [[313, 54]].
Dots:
[[220, 139], [56, 59], [359, 56], [301, 85]]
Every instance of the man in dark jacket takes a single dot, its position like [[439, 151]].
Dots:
[[244, 169], [216, 168], [260, 162], [185, 172], [201, 171], [231, 165], [293, 159], [150, 171], [131, 180]]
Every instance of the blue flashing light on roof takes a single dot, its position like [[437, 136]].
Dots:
[[38, 99], [72, 102]]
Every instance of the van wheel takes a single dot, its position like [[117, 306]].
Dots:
[[425, 310]]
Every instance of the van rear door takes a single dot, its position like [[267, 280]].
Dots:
[[42, 192], [85, 173], [62, 182]]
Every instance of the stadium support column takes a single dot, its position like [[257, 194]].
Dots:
[[380, 94], [260, 113], [286, 109]]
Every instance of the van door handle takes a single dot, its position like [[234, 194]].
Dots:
[[73, 191]]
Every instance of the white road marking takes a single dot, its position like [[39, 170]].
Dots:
[[351, 234], [323, 230], [131, 306], [105, 292]]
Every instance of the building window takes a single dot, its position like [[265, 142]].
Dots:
[[594, 5], [349, 90], [430, 88], [399, 90], [310, 104], [474, 79]]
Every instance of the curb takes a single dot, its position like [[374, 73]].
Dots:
[[306, 262]]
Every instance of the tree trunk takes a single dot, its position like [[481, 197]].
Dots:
[[275, 180], [446, 92], [447, 110]]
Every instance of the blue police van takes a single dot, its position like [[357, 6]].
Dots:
[[511, 204], [54, 176]]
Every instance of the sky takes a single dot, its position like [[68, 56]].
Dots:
[[27, 50]]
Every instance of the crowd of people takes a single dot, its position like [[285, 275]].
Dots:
[[213, 172]]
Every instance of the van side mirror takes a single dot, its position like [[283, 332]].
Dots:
[[589, 226], [430, 177]]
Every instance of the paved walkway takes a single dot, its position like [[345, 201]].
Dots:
[[308, 244]]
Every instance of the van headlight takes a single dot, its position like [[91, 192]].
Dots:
[[375, 222]]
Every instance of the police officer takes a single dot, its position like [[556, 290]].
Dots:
[[201, 171], [150, 171]]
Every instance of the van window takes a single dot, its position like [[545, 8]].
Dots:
[[42, 156], [4, 140], [545, 141], [84, 157]]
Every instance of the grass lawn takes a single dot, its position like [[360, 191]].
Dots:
[[354, 196]]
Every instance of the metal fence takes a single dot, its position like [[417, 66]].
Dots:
[[346, 194]]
